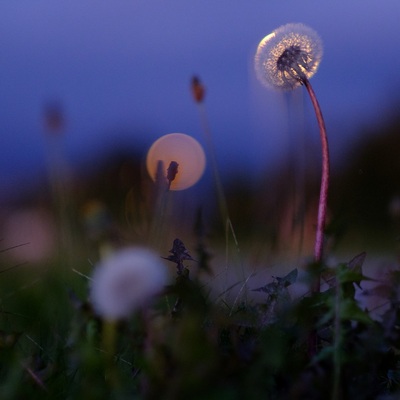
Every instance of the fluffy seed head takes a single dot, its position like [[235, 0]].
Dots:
[[126, 281], [288, 56]]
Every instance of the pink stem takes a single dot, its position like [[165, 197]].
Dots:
[[323, 195]]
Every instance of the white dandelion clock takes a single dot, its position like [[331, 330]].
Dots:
[[288, 56], [126, 281]]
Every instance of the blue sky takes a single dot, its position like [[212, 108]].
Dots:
[[121, 70]]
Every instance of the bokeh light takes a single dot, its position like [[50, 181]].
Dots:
[[181, 149]]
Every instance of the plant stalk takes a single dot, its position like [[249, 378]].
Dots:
[[323, 196], [322, 206]]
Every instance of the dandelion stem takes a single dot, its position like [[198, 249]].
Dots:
[[323, 196], [108, 341]]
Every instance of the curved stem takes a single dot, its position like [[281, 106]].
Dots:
[[323, 196]]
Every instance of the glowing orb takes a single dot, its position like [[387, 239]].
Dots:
[[180, 149]]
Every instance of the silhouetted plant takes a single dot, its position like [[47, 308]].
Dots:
[[285, 59]]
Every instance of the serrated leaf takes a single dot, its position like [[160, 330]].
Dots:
[[350, 311], [346, 275], [329, 276], [357, 262], [289, 279], [355, 265]]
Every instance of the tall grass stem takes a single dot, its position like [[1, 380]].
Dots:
[[222, 203]]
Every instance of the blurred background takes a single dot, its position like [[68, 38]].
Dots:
[[86, 87]]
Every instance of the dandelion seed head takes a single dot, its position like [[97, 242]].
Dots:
[[126, 281], [288, 56]]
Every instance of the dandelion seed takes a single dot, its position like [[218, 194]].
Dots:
[[288, 56], [126, 281]]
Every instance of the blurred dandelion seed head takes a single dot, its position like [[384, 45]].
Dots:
[[126, 281], [288, 56], [182, 151]]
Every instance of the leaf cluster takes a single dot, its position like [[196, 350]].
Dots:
[[190, 345]]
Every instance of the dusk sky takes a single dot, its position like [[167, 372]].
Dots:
[[121, 71]]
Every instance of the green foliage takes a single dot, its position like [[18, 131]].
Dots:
[[190, 345]]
